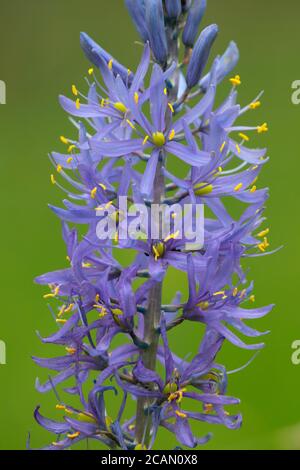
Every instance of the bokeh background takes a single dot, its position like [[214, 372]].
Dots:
[[40, 57]]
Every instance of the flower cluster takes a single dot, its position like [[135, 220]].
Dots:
[[132, 129]]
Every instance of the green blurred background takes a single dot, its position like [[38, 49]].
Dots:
[[40, 57]]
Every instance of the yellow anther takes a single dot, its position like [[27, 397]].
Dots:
[[244, 136], [61, 320], [165, 91], [255, 105], [90, 71], [172, 134], [68, 411], [62, 311], [238, 187], [52, 294], [221, 292], [222, 146], [69, 308], [201, 189], [68, 258], [53, 180], [263, 128], [235, 292], [131, 427], [87, 265], [243, 293], [108, 421], [252, 298], [180, 414], [136, 97], [208, 407], [117, 311], [224, 297], [238, 148], [158, 139], [56, 444], [253, 189], [74, 90], [128, 72], [158, 250], [103, 186], [145, 140], [97, 298], [64, 140], [69, 160], [77, 103], [86, 417], [220, 169], [235, 81], [60, 407], [121, 107], [71, 350], [110, 64], [71, 148], [263, 233], [94, 192], [73, 436], [59, 168], [131, 124], [203, 305], [171, 107], [172, 236]]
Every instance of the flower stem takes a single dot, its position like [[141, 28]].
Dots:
[[151, 328]]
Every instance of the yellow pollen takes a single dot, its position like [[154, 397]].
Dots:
[[263, 128], [62, 311], [61, 320], [253, 189], [69, 308], [235, 81], [59, 168], [243, 293], [158, 139], [77, 103], [172, 236], [252, 298], [222, 146], [71, 350], [201, 189], [52, 178], [110, 64], [208, 407], [136, 98], [103, 186], [172, 134], [131, 124], [180, 414], [263, 233], [158, 250], [120, 107], [128, 71], [203, 305], [221, 292], [73, 436], [165, 91], [235, 292], [238, 148], [255, 105], [60, 407], [64, 140], [74, 90], [94, 192], [244, 136], [90, 71], [238, 187], [145, 140], [171, 107], [70, 159], [71, 148], [97, 298]]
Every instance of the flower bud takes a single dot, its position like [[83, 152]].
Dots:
[[200, 55], [193, 21], [136, 10], [173, 8], [95, 53], [227, 63], [156, 30]]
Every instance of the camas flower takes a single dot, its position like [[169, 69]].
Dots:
[[131, 127]]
